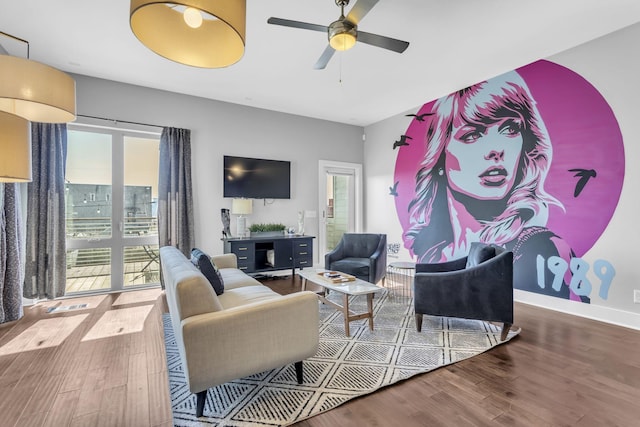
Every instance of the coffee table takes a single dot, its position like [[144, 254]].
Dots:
[[347, 289]]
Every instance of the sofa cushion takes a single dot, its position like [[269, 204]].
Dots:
[[479, 253], [203, 262], [246, 295], [234, 278]]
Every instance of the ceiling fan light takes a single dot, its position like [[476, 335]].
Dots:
[[344, 41], [342, 34], [35, 91], [216, 43], [15, 149]]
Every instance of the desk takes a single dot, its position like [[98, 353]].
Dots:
[[289, 251]]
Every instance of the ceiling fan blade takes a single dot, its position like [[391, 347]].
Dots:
[[360, 9], [383, 42], [297, 24], [324, 58]]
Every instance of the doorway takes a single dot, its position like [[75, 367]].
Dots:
[[340, 205], [111, 183]]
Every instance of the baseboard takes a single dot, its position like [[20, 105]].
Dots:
[[595, 312]]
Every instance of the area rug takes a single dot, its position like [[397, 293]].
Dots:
[[342, 369]]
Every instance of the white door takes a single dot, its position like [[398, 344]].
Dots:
[[111, 199], [340, 205]]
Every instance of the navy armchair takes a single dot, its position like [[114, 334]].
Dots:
[[478, 286], [363, 255]]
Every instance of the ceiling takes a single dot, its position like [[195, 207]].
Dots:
[[454, 43]]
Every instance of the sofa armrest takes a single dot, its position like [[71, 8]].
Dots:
[[225, 261], [335, 254], [378, 261], [241, 341]]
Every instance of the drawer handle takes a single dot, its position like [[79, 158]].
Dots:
[[303, 245], [243, 257], [242, 249], [243, 268], [303, 253], [303, 262]]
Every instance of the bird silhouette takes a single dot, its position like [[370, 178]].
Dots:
[[419, 117], [393, 191], [402, 141], [585, 175]]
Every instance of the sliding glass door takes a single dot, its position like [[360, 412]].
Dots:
[[111, 207]]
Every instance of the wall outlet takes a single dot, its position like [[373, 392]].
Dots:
[[636, 296]]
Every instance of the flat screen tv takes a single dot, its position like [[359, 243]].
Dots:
[[256, 178]]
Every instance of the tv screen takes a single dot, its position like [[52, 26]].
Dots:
[[256, 178]]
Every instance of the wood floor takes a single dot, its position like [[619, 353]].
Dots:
[[561, 370]]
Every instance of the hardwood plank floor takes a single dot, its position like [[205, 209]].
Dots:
[[561, 370]]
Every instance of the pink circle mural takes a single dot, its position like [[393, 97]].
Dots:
[[567, 181]]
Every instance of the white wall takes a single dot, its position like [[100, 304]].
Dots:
[[219, 128], [610, 64]]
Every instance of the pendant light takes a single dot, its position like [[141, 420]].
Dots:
[[29, 91], [199, 33], [15, 149], [35, 91]]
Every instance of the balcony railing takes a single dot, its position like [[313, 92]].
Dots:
[[86, 228], [90, 268]]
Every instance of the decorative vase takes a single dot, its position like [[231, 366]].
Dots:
[[226, 221], [267, 233]]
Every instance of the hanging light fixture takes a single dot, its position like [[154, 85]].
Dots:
[[15, 149], [29, 91], [342, 34], [35, 91], [200, 33]]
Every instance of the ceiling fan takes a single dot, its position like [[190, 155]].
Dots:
[[344, 32]]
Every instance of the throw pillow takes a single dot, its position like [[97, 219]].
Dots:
[[480, 253], [203, 262]]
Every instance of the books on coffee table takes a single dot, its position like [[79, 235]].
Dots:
[[336, 276]]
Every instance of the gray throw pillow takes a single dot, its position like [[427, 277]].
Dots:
[[206, 267], [479, 253]]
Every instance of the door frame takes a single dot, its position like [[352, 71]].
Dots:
[[325, 167], [117, 241]]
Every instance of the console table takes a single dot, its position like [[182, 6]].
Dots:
[[255, 256]]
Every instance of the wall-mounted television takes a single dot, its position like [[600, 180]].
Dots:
[[256, 178]]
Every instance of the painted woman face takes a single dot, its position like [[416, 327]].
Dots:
[[481, 160]]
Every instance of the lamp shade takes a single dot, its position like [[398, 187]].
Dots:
[[241, 207], [15, 149], [342, 35], [36, 91], [218, 41]]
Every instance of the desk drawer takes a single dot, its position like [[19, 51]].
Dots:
[[304, 261]]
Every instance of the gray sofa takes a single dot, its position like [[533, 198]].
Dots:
[[246, 330]]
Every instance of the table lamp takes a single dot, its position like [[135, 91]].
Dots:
[[241, 207]]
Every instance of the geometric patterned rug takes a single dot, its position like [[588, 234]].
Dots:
[[342, 369]]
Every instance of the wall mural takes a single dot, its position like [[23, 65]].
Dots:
[[532, 160]]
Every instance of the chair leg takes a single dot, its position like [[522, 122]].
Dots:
[[299, 372], [418, 322], [201, 397], [505, 331]]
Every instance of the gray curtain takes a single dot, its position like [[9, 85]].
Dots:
[[11, 261], [45, 274], [175, 196]]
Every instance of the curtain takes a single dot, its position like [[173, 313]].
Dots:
[[175, 196], [11, 259], [45, 273]]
